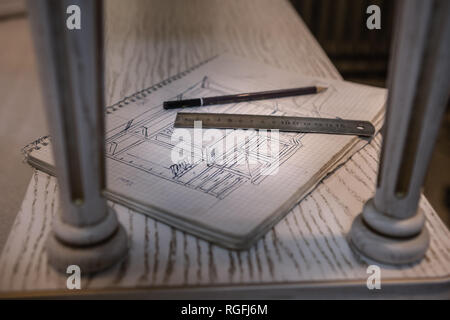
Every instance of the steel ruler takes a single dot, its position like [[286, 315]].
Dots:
[[282, 123]]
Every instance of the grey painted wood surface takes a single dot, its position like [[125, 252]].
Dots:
[[308, 247], [147, 43]]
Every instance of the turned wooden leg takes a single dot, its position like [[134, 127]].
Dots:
[[391, 228], [86, 232]]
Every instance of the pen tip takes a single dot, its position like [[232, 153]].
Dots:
[[321, 89]]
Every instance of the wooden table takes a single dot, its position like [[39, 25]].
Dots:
[[305, 255]]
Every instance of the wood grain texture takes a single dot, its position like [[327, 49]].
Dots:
[[308, 245], [149, 42]]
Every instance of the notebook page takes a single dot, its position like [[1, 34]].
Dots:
[[227, 192]]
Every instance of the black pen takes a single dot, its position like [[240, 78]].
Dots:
[[242, 97]]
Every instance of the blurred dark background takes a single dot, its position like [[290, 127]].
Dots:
[[362, 55]]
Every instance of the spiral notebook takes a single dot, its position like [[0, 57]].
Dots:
[[260, 175]]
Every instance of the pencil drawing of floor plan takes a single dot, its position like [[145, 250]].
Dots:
[[232, 195], [144, 142]]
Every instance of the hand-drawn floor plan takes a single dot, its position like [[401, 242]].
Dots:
[[145, 143]]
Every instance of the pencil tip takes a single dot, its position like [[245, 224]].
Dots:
[[320, 89]]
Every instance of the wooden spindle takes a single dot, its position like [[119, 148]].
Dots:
[[86, 232], [391, 229]]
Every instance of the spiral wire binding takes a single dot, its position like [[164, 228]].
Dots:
[[35, 145], [45, 140], [143, 93]]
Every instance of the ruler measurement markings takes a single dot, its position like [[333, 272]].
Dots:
[[282, 123]]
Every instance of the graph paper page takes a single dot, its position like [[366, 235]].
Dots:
[[236, 184]]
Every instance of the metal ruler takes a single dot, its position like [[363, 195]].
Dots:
[[282, 123]]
